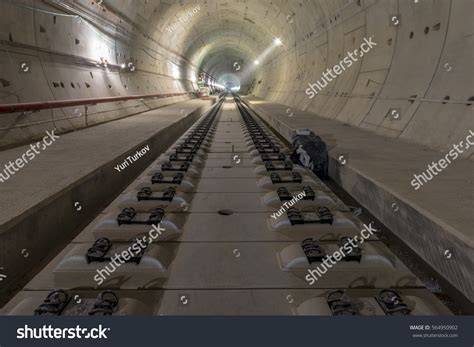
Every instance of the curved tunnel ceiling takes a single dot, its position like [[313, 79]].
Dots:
[[169, 43], [319, 34], [225, 37]]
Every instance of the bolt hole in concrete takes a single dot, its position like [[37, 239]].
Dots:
[[225, 212]]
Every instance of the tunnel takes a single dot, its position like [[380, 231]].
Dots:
[[246, 143]]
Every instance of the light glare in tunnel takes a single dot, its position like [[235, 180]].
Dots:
[[175, 71]]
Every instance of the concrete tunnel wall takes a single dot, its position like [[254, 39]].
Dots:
[[421, 67], [48, 53]]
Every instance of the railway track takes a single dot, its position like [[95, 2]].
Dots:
[[229, 226]]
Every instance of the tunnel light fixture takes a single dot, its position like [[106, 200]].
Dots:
[[256, 62], [277, 41]]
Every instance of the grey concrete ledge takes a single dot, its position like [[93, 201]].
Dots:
[[38, 202]]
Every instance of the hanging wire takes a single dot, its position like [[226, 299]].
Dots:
[[43, 11]]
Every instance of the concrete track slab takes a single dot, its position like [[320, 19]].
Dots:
[[226, 243], [238, 227], [227, 266], [256, 265]]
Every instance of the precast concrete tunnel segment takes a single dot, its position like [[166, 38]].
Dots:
[[116, 114]]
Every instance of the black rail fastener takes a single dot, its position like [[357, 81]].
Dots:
[[277, 157], [195, 138], [261, 137], [295, 216], [189, 146], [145, 194], [159, 178], [168, 166], [287, 166], [54, 304], [355, 254], [98, 251], [284, 194], [176, 157], [313, 250], [193, 142], [156, 216], [193, 150], [200, 131], [309, 193], [295, 178], [100, 248], [276, 178], [392, 303], [324, 216], [262, 150], [126, 216], [266, 145], [341, 304], [104, 304]]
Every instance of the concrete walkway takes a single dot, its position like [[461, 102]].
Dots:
[[44, 203], [435, 220]]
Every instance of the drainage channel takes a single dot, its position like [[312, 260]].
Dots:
[[224, 223]]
